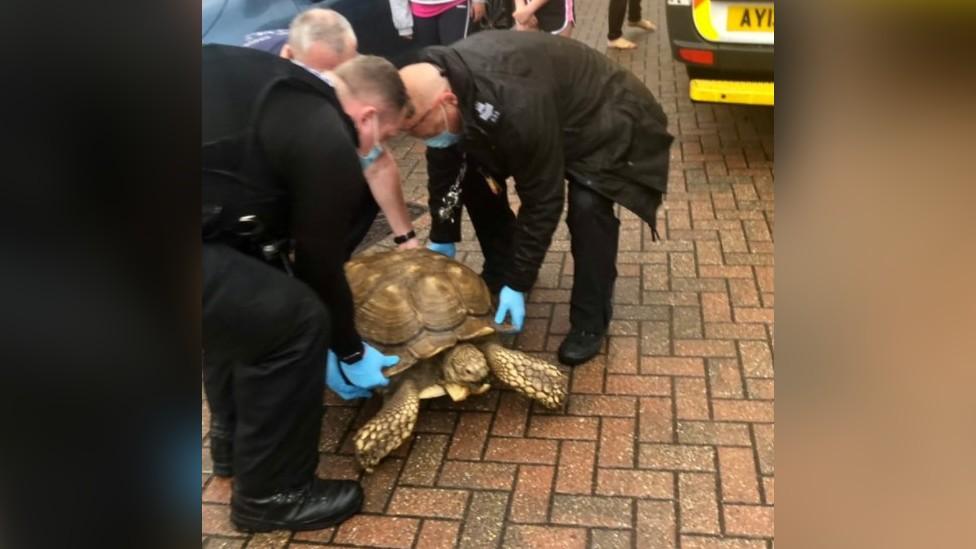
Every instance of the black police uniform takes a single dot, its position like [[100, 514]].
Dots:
[[485, 201], [546, 109], [276, 146]]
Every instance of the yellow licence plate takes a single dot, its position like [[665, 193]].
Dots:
[[750, 18]]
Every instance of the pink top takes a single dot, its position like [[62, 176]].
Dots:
[[433, 10]]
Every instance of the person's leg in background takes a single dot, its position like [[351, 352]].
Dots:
[[454, 24], [634, 18], [442, 29], [594, 233], [615, 21], [267, 333], [426, 31]]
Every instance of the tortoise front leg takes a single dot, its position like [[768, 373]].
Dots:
[[536, 379], [392, 425]]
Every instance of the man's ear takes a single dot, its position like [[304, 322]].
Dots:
[[367, 113], [287, 52], [450, 98]]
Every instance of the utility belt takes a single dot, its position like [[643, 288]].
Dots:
[[248, 234]]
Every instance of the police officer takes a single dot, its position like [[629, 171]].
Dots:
[[283, 158], [544, 109], [443, 22], [321, 40]]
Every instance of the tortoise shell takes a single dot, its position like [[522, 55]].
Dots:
[[417, 303]]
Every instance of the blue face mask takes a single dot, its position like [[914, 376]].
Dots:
[[371, 156], [444, 139], [374, 153]]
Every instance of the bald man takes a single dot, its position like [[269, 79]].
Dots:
[[544, 109]]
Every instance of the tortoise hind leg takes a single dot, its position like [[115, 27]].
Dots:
[[536, 379], [392, 425]]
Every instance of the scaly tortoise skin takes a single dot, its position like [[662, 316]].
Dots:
[[436, 315]]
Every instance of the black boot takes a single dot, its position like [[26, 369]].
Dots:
[[221, 449], [318, 504], [580, 346]]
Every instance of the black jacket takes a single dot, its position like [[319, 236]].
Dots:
[[542, 108], [276, 144]]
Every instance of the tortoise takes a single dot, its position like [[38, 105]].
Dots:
[[434, 313]]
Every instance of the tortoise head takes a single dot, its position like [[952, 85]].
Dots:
[[464, 363]]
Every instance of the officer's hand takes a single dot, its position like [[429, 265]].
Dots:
[[511, 303], [368, 372], [445, 249], [335, 382]]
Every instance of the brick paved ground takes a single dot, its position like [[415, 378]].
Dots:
[[667, 436]]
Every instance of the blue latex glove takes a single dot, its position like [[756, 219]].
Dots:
[[335, 382], [513, 303], [367, 373], [444, 249]]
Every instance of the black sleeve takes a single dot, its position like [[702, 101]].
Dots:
[[314, 155], [534, 151]]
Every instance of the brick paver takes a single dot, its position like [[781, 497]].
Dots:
[[667, 436]]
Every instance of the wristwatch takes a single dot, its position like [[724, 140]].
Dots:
[[404, 237]]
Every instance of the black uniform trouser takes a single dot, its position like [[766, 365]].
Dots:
[[265, 337], [594, 234], [615, 16], [491, 215]]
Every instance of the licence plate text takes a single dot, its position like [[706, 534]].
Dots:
[[750, 18]]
